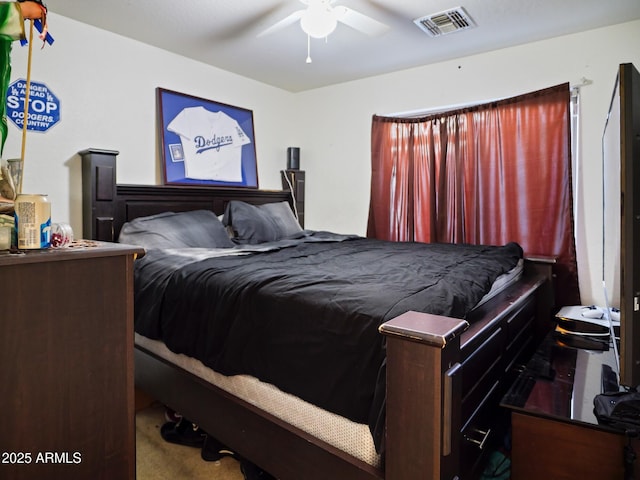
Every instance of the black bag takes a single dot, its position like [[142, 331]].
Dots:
[[620, 410]]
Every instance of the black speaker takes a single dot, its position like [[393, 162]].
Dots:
[[293, 158]]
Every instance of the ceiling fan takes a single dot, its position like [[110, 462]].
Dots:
[[321, 18]]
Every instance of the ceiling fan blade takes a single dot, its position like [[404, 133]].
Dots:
[[284, 23], [359, 21], [308, 2], [233, 29], [387, 11]]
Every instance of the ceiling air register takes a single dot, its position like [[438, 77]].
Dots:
[[443, 23]]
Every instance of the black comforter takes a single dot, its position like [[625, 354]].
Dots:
[[304, 315]]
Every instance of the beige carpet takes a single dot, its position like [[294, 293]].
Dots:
[[160, 460]]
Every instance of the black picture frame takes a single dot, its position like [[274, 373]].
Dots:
[[205, 143]]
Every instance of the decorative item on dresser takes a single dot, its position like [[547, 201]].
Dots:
[[444, 376], [66, 352]]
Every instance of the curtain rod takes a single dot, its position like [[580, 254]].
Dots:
[[575, 87], [584, 81], [429, 111]]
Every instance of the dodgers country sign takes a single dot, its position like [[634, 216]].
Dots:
[[44, 106]]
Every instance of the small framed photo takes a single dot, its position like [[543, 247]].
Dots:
[[206, 143], [177, 154]]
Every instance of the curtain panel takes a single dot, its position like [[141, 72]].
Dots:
[[488, 174]]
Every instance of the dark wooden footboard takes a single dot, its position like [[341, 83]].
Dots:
[[445, 376], [445, 379]]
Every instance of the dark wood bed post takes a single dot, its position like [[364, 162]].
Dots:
[[98, 193], [423, 394]]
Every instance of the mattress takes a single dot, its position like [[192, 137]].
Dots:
[[348, 436], [503, 281]]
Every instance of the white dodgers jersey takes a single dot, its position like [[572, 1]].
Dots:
[[212, 144]]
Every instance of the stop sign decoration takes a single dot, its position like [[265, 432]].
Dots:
[[44, 106]]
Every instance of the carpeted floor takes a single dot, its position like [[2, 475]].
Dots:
[[160, 460]]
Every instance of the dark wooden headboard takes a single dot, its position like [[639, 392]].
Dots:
[[106, 206]]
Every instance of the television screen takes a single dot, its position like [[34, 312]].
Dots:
[[621, 217], [611, 200]]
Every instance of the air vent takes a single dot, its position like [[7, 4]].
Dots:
[[446, 22]]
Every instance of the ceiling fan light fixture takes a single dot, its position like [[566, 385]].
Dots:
[[319, 20]]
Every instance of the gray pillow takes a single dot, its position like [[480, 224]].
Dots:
[[197, 228], [260, 223]]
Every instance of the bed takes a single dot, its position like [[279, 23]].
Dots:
[[444, 375]]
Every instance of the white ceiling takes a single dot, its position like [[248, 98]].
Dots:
[[223, 32]]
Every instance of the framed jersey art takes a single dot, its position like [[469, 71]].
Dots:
[[206, 143]]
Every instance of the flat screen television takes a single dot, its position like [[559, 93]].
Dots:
[[621, 217]]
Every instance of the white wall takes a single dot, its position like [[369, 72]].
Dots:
[[106, 85], [107, 90]]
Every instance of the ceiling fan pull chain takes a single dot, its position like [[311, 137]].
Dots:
[[308, 48]]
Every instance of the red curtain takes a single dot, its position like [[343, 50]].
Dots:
[[489, 174]]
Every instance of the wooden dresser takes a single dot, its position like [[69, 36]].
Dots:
[[555, 433], [66, 357]]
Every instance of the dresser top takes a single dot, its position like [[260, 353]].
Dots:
[[560, 381], [78, 249]]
